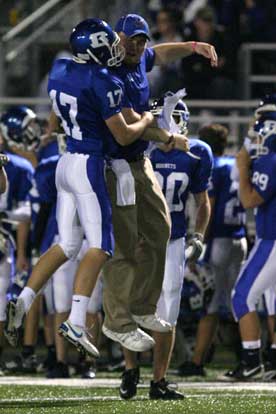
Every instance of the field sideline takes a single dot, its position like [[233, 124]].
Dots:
[[36, 395]]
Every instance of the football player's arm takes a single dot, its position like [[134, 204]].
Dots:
[[155, 134], [21, 245], [4, 159], [169, 52], [203, 212], [212, 202], [3, 180], [124, 133], [53, 123], [249, 197]]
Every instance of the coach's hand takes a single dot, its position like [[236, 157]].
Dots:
[[206, 50]]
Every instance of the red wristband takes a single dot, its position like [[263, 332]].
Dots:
[[194, 46]]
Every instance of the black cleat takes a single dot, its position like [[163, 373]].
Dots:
[[189, 369], [269, 371], [161, 390], [59, 371], [130, 379], [20, 364], [244, 372]]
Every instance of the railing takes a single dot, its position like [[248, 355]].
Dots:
[[246, 67], [236, 114], [7, 56]]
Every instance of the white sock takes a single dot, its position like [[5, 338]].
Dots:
[[273, 346], [28, 295], [78, 311], [251, 344]]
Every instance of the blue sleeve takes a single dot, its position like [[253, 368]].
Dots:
[[201, 177], [110, 94], [149, 58], [45, 181], [24, 185], [264, 179]]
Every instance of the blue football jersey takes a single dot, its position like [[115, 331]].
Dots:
[[48, 151], [264, 182], [19, 173], [45, 182], [178, 174], [229, 215], [84, 96], [138, 93]]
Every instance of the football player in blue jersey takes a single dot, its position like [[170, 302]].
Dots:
[[257, 190], [14, 204], [226, 242], [59, 289], [179, 174], [88, 99]]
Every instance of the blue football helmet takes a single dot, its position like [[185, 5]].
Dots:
[[20, 128], [267, 104], [93, 40], [263, 134], [199, 287], [180, 113]]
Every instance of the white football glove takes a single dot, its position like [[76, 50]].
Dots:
[[4, 159], [195, 247]]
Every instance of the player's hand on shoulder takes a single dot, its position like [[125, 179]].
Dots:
[[181, 142], [208, 51], [4, 159]]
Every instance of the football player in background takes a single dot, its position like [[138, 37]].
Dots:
[[226, 242], [17, 128], [178, 173], [257, 190], [88, 100]]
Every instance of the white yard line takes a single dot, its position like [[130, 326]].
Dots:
[[114, 383]]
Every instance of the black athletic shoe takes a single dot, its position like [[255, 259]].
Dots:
[[269, 371], [161, 390], [270, 365], [27, 365], [189, 369], [130, 379], [244, 372], [59, 371], [89, 372]]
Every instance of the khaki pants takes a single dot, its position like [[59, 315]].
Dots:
[[133, 277]]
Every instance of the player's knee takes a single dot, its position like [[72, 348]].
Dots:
[[70, 248], [62, 297], [94, 305], [239, 304], [169, 306], [63, 305]]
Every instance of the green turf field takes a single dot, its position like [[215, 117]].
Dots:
[[90, 398]]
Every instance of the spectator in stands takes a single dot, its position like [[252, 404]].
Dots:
[[201, 82], [168, 29]]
